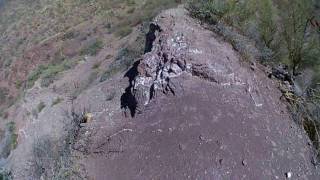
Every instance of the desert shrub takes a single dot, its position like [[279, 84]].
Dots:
[[18, 84], [34, 113], [56, 101], [48, 73], [4, 174], [52, 157], [131, 10], [234, 20], [144, 12], [4, 93], [125, 57], [231, 12], [281, 29], [7, 62], [11, 127], [46, 155], [52, 70], [41, 106], [35, 75], [93, 48], [96, 65], [4, 114], [282, 33], [84, 85], [210, 11], [295, 17], [267, 22], [123, 61], [123, 31], [307, 114], [10, 140], [69, 35]]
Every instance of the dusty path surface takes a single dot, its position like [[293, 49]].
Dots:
[[200, 113]]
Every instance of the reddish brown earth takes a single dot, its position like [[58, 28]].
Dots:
[[51, 50], [200, 113]]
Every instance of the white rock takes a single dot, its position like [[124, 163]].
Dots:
[[289, 175]]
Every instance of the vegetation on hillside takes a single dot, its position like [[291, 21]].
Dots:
[[282, 27], [48, 73], [284, 32], [52, 36], [53, 30], [35, 21]]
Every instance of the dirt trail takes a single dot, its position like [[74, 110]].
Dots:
[[201, 113]]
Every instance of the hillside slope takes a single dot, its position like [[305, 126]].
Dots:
[[200, 112], [43, 33], [189, 108]]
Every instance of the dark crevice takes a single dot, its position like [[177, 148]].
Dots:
[[152, 92], [151, 37], [128, 101]]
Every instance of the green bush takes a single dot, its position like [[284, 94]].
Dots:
[[4, 175], [282, 33], [10, 140], [283, 27], [123, 31], [7, 62], [295, 17], [35, 75], [124, 59], [232, 12], [267, 22], [11, 127], [93, 48], [69, 35], [48, 73]]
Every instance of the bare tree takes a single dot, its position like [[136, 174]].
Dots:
[[296, 15]]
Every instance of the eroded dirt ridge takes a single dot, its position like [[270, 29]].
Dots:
[[200, 112]]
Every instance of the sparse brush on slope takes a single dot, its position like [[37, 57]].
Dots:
[[52, 158], [48, 73], [125, 57], [283, 33], [295, 20]]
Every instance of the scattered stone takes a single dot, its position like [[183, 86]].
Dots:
[[289, 175], [281, 72], [87, 133], [253, 66], [201, 138], [244, 162], [87, 118], [182, 147]]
